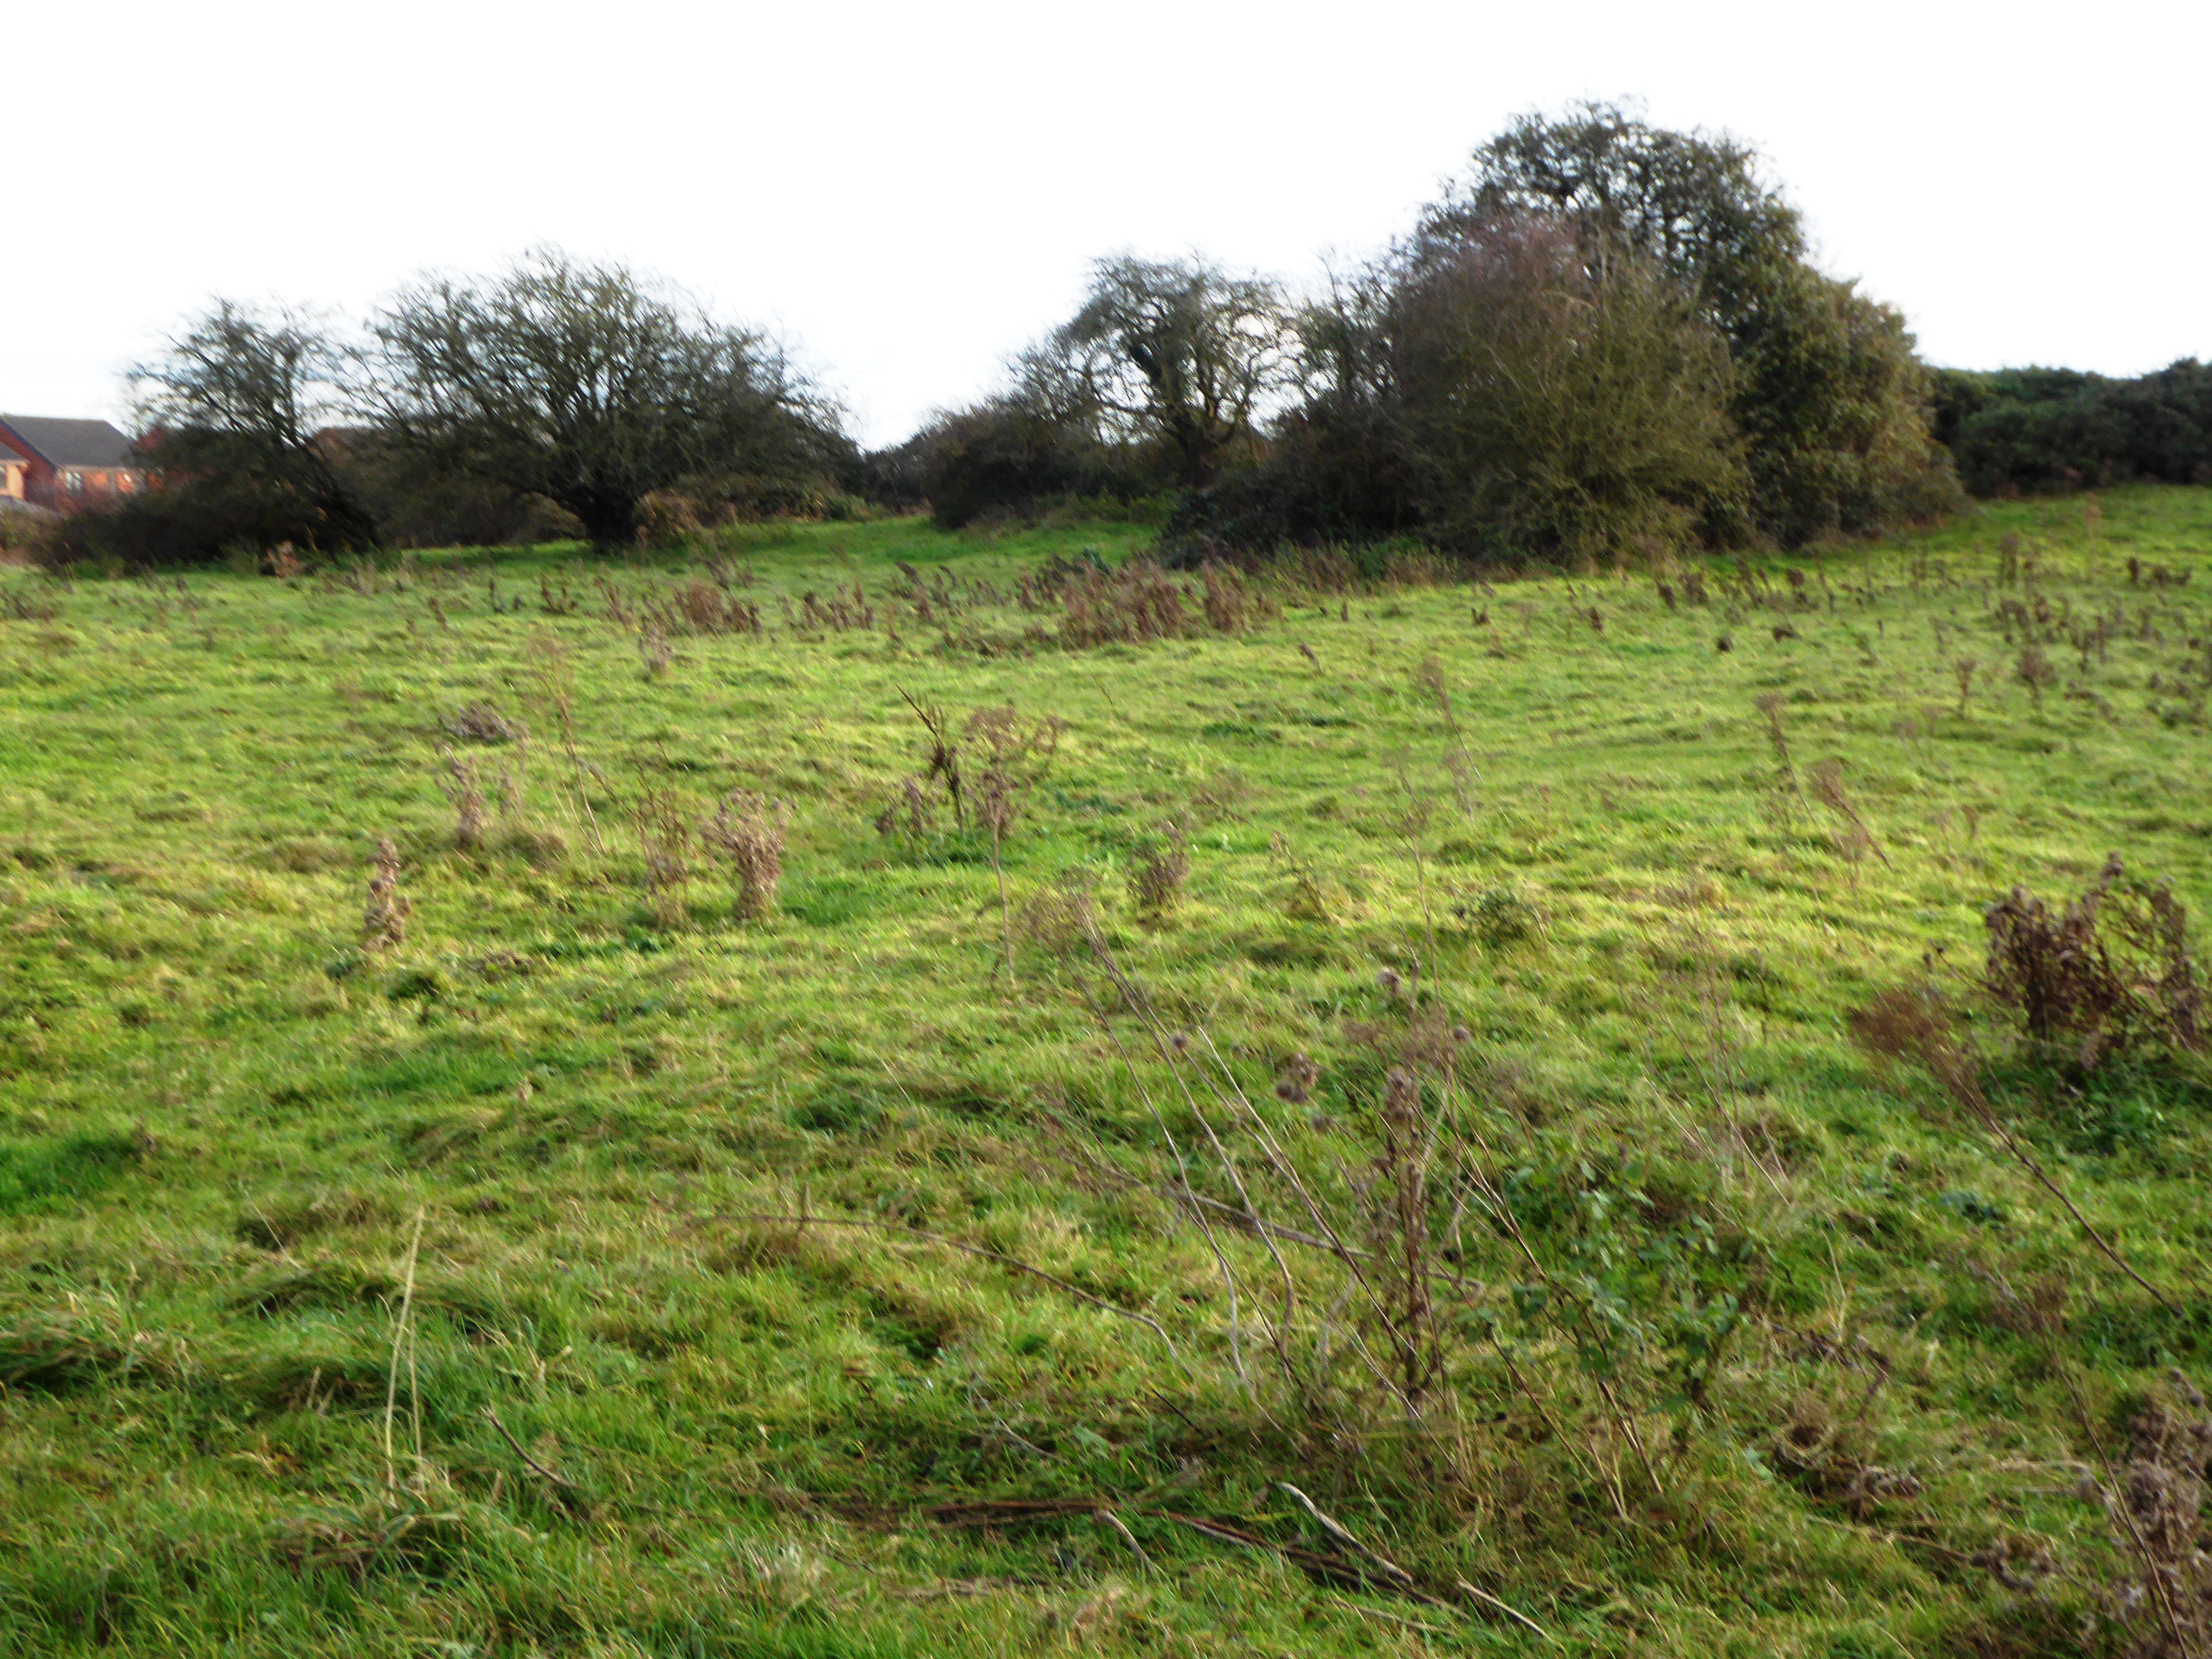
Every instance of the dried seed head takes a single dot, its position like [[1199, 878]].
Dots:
[[1401, 1096], [1460, 1033], [1388, 979], [1180, 1042]]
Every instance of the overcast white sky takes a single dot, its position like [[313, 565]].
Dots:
[[912, 191]]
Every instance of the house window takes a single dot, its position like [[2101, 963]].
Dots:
[[72, 479]]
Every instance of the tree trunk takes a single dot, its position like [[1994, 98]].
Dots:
[[608, 516]]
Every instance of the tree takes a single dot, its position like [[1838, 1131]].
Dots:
[[590, 386], [1489, 386], [232, 410], [1553, 404], [1833, 402], [1180, 351]]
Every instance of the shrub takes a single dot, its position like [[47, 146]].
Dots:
[[24, 531], [2109, 972], [2042, 429], [201, 522], [1008, 456], [666, 517]]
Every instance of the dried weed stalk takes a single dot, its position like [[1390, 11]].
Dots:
[[384, 919], [749, 829], [664, 840], [1014, 757], [457, 778], [1827, 778], [2110, 972], [1156, 876]]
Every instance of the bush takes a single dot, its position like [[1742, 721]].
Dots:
[[1005, 457], [2044, 430], [666, 517], [2110, 972], [416, 506], [199, 523], [1494, 388], [750, 498], [24, 531], [1563, 412], [1830, 401]]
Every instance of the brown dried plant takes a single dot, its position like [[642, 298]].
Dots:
[[2155, 1509], [1226, 600], [1156, 876], [2036, 673], [2110, 972], [457, 778], [664, 840], [1135, 603], [556, 675], [384, 919], [481, 722], [1014, 757], [943, 756], [1827, 780], [749, 830]]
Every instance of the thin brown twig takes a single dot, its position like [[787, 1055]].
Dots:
[[529, 1462]]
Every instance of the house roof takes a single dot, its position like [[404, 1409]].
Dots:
[[67, 443], [11, 456]]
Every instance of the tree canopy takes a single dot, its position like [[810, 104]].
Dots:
[[232, 407], [589, 385], [1831, 399], [1181, 351]]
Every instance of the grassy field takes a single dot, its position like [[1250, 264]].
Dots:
[[1398, 1045]]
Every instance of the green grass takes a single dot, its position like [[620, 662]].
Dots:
[[221, 1113]]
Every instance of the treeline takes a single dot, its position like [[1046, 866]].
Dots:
[[556, 399], [2032, 430], [1606, 336], [1605, 339]]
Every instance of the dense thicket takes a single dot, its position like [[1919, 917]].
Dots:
[[1159, 382], [1606, 335], [2035, 429], [1012, 454]]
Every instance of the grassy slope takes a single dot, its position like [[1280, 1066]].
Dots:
[[219, 1117]]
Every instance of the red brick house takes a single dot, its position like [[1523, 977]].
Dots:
[[57, 463]]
